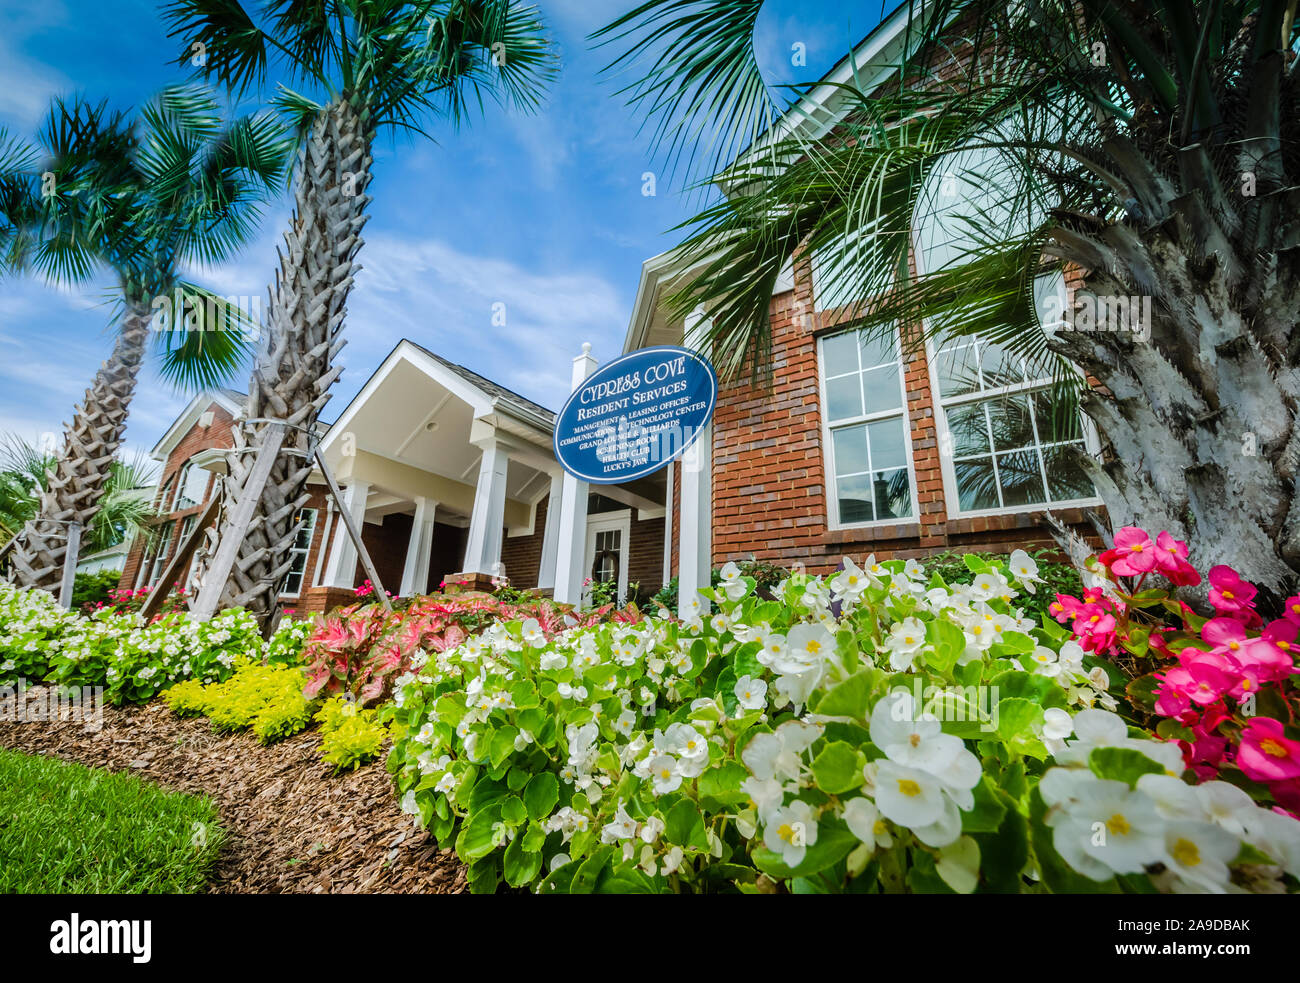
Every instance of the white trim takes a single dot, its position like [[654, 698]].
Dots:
[[828, 444], [188, 419], [608, 522], [668, 526]]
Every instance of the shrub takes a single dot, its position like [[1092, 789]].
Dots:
[[356, 739], [269, 699], [134, 662], [358, 650], [91, 591], [928, 737], [1223, 681]]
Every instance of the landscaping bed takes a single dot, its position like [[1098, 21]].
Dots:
[[291, 825]]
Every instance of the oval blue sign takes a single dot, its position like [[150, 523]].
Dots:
[[632, 416]]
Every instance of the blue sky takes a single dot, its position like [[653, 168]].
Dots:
[[542, 213]]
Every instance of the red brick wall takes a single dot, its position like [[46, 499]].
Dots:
[[769, 479], [522, 555], [216, 434]]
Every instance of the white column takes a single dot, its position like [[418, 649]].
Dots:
[[695, 518], [487, 522], [571, 546], [415, 575], [551, 534], [342, 568], [668, 524]]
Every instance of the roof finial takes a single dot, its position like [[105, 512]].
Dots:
[[586, 348]]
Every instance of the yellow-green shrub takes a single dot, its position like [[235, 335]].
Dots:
[[266, 698], [350, 737], [187, 699]]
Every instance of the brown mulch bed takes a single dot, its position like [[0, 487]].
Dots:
[[291, 826]]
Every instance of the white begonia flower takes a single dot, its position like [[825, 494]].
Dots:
[[790, 831], [918, 741], [532, 633], [1024, 570], [1103, 826], [767, 795], [1043, 661], [865, 822], [558, 861], [850, 582], [751, 694], [719, 623], [1277, 835], [672, 860], [446, 784], [1226, 804], [913, 798], [806, 646], [623, 826], [625, 722], [664, 774], [1057, 726], [651, 829], [773, 649], [409, 806], [904, 640]]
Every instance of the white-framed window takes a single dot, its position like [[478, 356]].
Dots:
[[1004, 447], [306, 518], [158, 553], [868, 449], [190, 487]]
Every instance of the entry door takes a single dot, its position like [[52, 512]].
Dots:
[[608, 542]]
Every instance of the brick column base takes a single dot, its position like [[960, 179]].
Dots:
[[319, 600], [457, 583]]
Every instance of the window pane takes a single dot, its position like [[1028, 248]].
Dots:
[[840, 353], [888, 449], [976, 486], [1065, 479], [850, 450], [855, 498], [1059, 423], [893, 494], [878, 351], [844, 397], [880, 389], [969, 429], [957, 371], [1021, 480], [1000, 367], [1012, 426]]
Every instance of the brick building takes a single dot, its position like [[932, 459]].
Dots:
[[861, 446]]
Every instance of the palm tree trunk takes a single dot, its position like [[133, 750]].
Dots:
[[76, 484], [295, 365], [1199, 408]]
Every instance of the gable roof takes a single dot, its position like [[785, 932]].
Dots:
[[497, 392], [230, 400]]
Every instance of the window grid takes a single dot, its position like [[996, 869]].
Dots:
[[862, 367], [293, 580], [985, 397]]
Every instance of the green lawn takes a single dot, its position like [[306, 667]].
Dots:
[[65, 828]]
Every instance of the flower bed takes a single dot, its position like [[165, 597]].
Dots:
[[133, 661], [875, 731]]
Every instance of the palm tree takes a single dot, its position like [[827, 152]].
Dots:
[[1148, 150], [140, 198], [376, 63], [24, 475]]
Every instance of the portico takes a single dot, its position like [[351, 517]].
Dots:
[[451, 477]]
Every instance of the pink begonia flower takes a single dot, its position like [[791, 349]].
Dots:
[[1266, 754], [1287, 795], [1133, 553], [1266, 657], [1291, 611], [1172, 696], [1228, 592], [1096, 632], [1171, 561]]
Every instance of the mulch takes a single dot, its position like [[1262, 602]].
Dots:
[[291, 826]]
